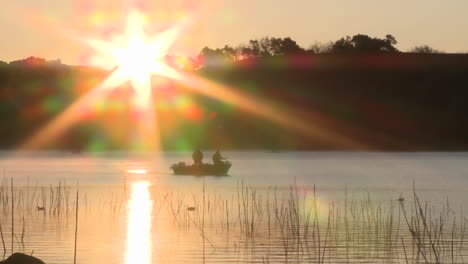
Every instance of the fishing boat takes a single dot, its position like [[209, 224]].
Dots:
[[220, 169]]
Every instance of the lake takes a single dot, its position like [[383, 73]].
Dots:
[[274, 207]]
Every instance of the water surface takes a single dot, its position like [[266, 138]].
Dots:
[[133, 210]]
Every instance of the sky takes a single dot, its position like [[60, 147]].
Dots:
[[49, 28]]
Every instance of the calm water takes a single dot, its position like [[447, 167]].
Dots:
[[133, 210]]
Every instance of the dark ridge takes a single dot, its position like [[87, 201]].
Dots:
[[384, 101]]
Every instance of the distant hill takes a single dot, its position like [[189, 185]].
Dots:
[[397, 101]]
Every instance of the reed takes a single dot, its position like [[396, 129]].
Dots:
[[293, 225], [3, 241], [76, 224], [12, 216]]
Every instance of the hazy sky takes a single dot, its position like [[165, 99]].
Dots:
[[442, 24]]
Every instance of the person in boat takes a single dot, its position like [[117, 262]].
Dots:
[[217, 158], [197, 157]]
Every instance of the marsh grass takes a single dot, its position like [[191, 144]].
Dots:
[[293, 225], [306, 230]]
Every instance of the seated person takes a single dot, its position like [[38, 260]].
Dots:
[[217, 158], [197, 157]]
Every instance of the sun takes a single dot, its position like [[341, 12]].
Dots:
[[134, 60], [136, 56]]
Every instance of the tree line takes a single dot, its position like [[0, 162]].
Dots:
[[271, 46]]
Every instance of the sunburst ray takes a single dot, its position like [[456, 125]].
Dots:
[[137, 57]]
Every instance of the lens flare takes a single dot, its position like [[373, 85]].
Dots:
[[136, 57]]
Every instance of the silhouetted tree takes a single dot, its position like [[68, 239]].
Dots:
[[319, 48], [267, 47], [253, 50], [285, 46], [31, 61], [229, 52], [424, 49], [364, 44], [213, 57], [343, 45]]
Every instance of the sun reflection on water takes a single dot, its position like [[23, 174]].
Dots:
[[137, 171], [139, 225]]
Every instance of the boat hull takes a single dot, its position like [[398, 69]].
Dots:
[[202, 170]]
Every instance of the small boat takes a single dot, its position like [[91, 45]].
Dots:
[[205, 169]]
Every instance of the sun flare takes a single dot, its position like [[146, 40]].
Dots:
[[135, 56]]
